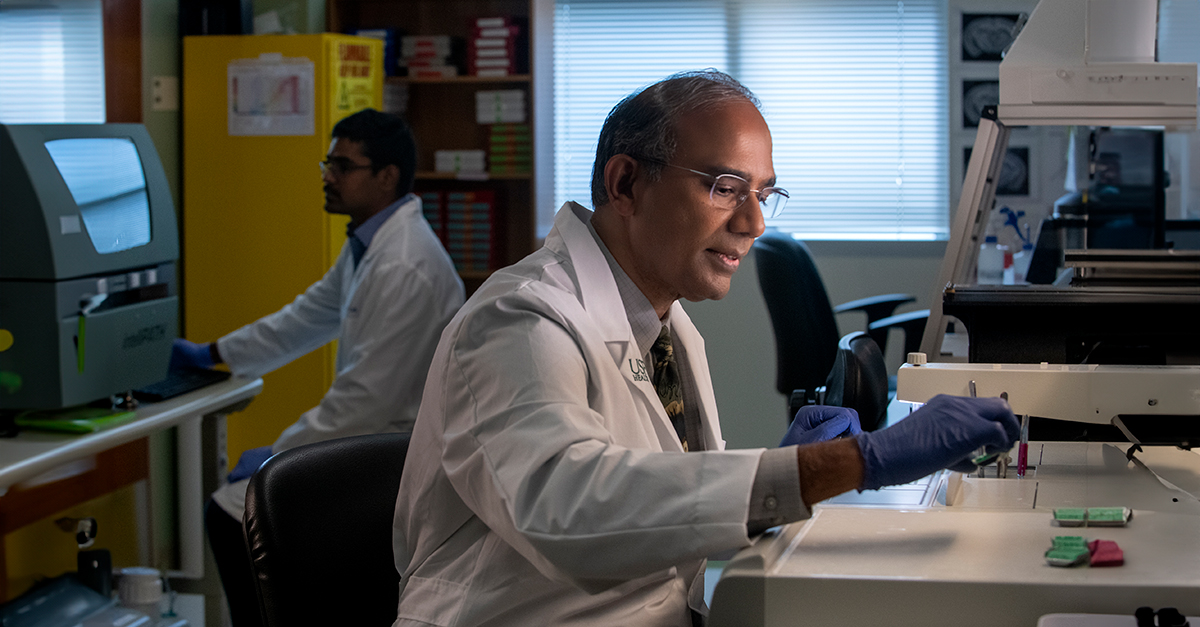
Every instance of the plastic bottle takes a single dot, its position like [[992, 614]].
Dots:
[[990, 268], [1021, 262], [1009, 272]]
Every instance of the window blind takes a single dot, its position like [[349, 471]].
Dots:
[[51, 61], [1177, 22], [603, 50], [854, 91]]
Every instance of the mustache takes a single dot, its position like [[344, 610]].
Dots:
[[329, 191]]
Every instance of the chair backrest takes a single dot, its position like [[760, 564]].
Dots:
[[806, 333], [859, 380], [318, 526]]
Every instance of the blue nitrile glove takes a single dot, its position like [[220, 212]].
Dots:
[[943, 434], [817, 423], [185, 354], [248, 463]]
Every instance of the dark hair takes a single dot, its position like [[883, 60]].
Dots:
[[386, 139], [643, 124]]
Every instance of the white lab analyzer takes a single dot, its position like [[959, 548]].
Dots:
[[957, 549]]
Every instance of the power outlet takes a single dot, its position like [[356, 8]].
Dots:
[[165, 93]]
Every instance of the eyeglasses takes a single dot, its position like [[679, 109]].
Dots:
[[729, 191], [338, 166]]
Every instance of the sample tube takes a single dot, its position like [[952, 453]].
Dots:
[[1023, 447]]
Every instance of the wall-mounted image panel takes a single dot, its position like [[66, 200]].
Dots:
[[985, 36]]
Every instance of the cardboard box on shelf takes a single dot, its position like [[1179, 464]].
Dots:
[[506, 105], [459, 160], [430, 56], [435, 71]]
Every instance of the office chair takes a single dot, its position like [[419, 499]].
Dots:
[[805, 323], [859, 380], [912, 323], [318, 526]]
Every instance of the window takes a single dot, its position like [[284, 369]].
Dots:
[[1177, 43], [854, 92], [51, 61]]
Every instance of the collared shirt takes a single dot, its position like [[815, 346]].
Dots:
[[647, 326], [775, 496], [643, 320], [359, 236]]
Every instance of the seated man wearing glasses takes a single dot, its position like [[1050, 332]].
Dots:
[[567, 465], [386, 301]]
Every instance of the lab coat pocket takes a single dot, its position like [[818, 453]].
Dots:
[[431, 601]]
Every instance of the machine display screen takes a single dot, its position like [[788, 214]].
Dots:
[[106, 180]]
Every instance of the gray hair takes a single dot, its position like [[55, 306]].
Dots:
[[643, 124]]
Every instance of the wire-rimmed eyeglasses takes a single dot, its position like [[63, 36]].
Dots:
[[338, 166], [729, 191]]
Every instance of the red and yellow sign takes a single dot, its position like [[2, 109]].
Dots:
[[357, 74]]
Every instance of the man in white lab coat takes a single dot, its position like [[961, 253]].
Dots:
[[386, 300], [547, 481]]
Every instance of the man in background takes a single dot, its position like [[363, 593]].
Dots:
[[386, 300]]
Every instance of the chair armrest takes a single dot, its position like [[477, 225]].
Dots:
[[801, 397], [912, 322], [875, 307]]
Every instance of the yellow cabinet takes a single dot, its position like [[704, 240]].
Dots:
[[257, 114]]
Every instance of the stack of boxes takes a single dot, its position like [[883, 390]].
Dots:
[[509, 145], [505, 105], [464, 222], [494, 49], [469, 217], [429, 56], [431, 206], [458, 161], [510, 149]]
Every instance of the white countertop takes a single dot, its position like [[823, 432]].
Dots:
[[32, 453], [911, 559]]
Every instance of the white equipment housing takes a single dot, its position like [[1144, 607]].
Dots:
[[1079, 393], [953, 549], [1098, 71]]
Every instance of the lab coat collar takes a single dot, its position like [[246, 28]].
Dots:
[[598, 291], [403, 212], [602, 301], [366, 231]]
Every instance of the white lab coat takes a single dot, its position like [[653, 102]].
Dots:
[[387, 316], [545, 484]]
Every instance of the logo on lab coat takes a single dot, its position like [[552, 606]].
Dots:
[[638, 368]]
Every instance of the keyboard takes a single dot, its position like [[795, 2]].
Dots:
[[179, 381]]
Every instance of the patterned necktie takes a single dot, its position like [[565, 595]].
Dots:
[[668, 384]]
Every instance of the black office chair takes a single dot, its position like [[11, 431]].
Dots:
[[912, 323], [805, 323], [318, 527], [859, 380]]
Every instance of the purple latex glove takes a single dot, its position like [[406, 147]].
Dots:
[[248, 463], [185, 354], [817, 423], [943, 434]]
